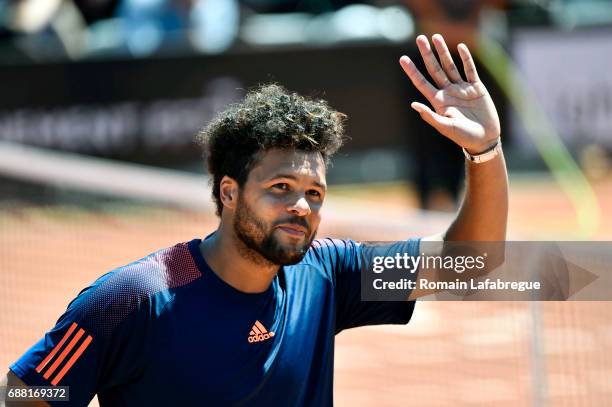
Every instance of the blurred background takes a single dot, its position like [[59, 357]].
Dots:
[[100, 101]]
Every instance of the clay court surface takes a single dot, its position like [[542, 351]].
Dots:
[[451, 353]]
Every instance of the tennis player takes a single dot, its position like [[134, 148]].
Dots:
[[248, 315]]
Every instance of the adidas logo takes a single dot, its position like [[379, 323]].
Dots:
[[259, 333]]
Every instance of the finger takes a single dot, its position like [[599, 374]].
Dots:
[[443, 124], [431, 63], [468, 63], [417, 78], [447, 60]]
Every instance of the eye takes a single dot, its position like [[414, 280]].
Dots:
[[281, 186], [314, 192]]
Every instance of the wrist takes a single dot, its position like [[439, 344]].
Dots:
[[486, 147], [492, 151]]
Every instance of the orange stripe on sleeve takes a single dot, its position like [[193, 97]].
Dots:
[[62, 355], [57, 347], [261, 327], [71, 361]]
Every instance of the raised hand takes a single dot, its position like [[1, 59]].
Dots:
[[464, 111]]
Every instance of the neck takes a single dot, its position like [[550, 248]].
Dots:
[[226, 256]]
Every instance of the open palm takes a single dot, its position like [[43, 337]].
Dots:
[[463, 109]]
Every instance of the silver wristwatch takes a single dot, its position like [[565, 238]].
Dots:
[[486, 155]]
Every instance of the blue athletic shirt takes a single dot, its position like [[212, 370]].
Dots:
[[166, 330]]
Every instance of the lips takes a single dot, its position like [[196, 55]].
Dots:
[[292, 229]]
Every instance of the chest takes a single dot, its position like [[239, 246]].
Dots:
[[235, 350]]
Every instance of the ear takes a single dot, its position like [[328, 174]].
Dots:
[[228, 192]]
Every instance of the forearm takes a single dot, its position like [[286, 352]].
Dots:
[[484, 211]]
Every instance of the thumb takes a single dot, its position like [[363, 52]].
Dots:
[[441, 123]]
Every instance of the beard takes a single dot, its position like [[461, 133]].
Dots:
[[260, 242]]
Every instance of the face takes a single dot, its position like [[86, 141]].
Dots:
[[278, 209]]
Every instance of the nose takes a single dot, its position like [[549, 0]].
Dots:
[[300, 207]]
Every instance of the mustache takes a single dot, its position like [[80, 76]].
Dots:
[[295, 220]]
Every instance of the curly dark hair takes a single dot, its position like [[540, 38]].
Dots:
[[269, 117]]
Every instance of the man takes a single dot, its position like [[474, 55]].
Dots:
[[248, 315]]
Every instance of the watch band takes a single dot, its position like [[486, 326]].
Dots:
[[486, 155]]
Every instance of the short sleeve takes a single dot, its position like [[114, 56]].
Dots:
[[345, 260], [96, 344]]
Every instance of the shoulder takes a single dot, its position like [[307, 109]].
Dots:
[[339, 255], [330, 251], [328, 256], [127, 289]]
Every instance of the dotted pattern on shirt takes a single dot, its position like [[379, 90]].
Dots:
[[130, 287]]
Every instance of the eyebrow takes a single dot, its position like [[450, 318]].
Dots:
[[294, 178]]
